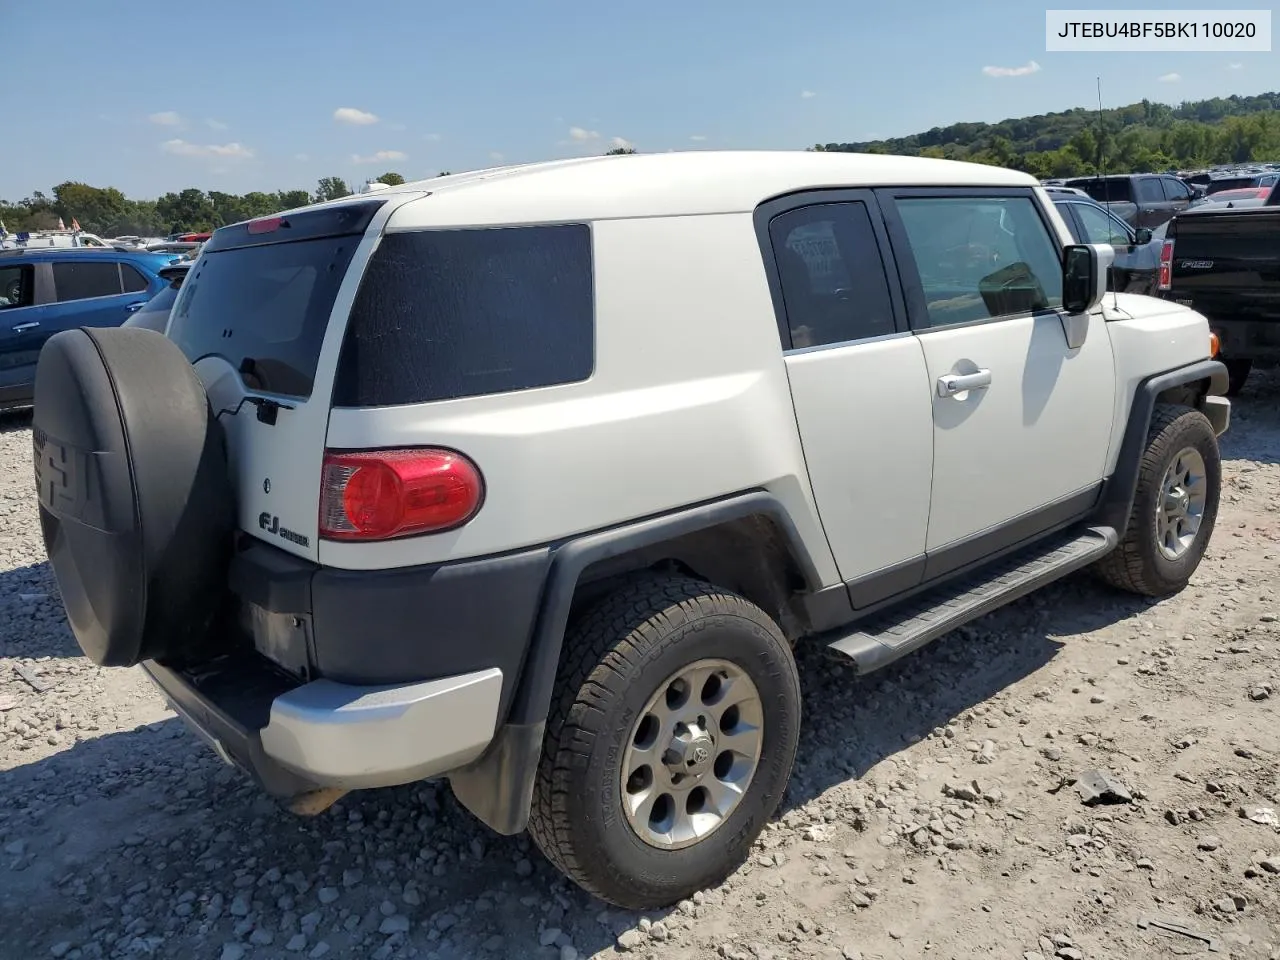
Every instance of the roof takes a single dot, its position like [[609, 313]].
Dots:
[[155, 260], [669, 184]]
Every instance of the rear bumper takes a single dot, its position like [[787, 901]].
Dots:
[[293, 739]]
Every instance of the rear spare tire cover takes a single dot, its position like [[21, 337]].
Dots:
[[136, 503]]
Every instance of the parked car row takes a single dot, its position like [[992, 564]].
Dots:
[[47, 289]]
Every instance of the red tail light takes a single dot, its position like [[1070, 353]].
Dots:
[[265, 225], [1166, 266], [381, 494]]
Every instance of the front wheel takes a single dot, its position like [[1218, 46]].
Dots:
[[670, 742], [1175, 506]]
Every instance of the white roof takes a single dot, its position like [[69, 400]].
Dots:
[[669, 184]]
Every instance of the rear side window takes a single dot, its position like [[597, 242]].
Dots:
[[1149, 190], [1105, 191], [832, 276], [86, 279], [17, 286], [444, 314]]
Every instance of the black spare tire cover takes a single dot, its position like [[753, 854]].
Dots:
[[136, 503]]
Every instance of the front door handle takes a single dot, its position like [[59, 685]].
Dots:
[[135, 307], [24, 327], [954, 383]]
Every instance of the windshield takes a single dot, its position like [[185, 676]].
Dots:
[[264, 309]]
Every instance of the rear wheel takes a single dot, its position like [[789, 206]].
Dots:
[[670, 742], [1174, 508]]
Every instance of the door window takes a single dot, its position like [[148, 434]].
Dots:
[[981, 257], [1175, 189], [134, 282], [1149, 191], [832, 276], [17, 286], [86, 279], [1100, 227]]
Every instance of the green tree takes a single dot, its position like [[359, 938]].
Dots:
[[188, 210], [331, 188], [619, 151], [391, 179], [291, 199]]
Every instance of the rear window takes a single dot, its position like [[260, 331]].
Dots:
[[264, 309], [444, 314], [1106, 191]]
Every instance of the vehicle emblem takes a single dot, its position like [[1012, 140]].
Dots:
[[1197, 264], [700, 754], [266, 485]]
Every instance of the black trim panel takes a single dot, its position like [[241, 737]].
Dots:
[[1119, 491], [537, 681], [870, 589]]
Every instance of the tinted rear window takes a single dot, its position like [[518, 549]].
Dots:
[[1114, 191], [443, 314], [161, 302], [264, 309]]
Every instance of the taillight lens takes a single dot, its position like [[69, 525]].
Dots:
[[381, 494], [1166, 266]]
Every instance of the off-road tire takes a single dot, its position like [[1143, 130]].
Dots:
[[1137, 565], [616, 656]]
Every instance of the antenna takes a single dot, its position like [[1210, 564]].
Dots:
[[1106, 186]]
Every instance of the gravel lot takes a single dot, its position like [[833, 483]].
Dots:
[[933, 811]]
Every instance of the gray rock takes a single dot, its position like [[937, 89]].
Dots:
[[629, 940], [1098, 786], [351, 878], [297, 943], [327, 895], [1208, 843], [1270, 865], [568, 952], [61, 948], [398, 923], [319, 950], [232, 951], [239, 906], [16, 849], [548, 936], [262, 937]]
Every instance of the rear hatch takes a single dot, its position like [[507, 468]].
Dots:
[[1227, 262], [261, 316]]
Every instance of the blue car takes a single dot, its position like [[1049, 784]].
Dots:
[[49, 289]]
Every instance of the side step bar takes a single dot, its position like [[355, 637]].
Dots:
[[884, 637]]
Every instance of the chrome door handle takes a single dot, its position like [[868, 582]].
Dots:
[[953, 383], [24, 327], [135, 307]]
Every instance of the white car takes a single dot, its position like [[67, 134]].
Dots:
[[533, 478]]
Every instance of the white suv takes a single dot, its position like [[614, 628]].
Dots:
[[533, 477]]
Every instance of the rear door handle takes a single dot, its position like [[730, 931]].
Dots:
[[953, 383], [135, 307], [24, 327]]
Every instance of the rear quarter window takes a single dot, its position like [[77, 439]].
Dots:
[[446, 314]]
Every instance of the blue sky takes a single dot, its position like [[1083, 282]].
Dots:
[[239, 95]]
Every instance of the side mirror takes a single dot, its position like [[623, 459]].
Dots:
[[1084, 275], [1142, 236]]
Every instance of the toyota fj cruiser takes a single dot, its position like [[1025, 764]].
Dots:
[[533, 477]]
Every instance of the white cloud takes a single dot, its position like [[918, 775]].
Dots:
[[495, 155], [301, 157], [359, 118], [620, 143], [1170, 78], [382, 156], [581, 135], [1025, 70], [215, 125], [698, 137], [166, 118], [226, 151], [807, 94], [1235, 66]]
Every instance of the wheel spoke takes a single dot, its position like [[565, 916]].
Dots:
[[1181, 504]]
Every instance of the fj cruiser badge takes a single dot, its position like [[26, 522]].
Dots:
[[1197, 264], [271, 524], [266, 484]]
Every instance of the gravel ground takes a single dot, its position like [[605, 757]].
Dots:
[[934, 810]]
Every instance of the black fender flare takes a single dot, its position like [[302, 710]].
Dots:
[[498, 787], [1121, 487]]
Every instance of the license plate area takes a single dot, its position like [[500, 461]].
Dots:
[[283, 638]]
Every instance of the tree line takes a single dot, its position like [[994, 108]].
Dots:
[[108, 212], [1138, 138]]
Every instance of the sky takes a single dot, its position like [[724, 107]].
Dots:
[[266, 95]]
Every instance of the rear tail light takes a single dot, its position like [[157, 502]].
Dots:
[[1166, 266], [266, 225], [381, 494]]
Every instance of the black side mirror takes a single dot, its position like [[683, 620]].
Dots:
[[1084, 276], [1142, 236]]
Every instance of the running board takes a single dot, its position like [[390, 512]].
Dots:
[[884, 637]]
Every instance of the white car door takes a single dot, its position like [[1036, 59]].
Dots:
[[859, 386], [1021, 419]]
